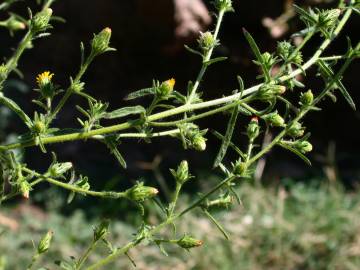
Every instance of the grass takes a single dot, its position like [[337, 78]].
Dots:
[[300, 226]]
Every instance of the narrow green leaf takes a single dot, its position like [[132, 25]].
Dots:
[[232, 145], [15, 108], [217, 224], [330, 74], [253, 46], [140, 93], [215, 60], [227, 138], [299, 154], [122, 112], [193, 51]]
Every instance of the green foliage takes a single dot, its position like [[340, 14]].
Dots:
[[147, 122]]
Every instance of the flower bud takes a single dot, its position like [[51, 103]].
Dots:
[[199, 142], [207, 41], [140, 193], [3, 72], [39, 127], [181, 175], [77, 87], [304, 146], [25, 188], [296, 130], [100, 42], [239, 168], [223, 202], [188, 242], [45, 242], [253, 128], [13, 24], [275, 119], [47, 89], [307, 98], [166, 88], [58, 169], [225, 5], [101, 230], [328, 18], [40, 22]]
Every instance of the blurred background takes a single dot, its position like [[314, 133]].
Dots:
[[293, 217]]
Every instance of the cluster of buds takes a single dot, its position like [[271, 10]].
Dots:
[[188, 242], [285, 50], [139, 193], [269, 91], [207, 41], [192, 136], [100, 42], [40, 22], [253, 128], [307, 98], [45, 242], [164, 90], [182, 174], [274, 119], [101, 230]]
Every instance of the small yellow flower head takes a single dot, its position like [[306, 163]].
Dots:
[[44, 78], [166, 88]]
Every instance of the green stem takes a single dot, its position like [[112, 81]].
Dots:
[[206, 58], [103, 194], [84, 257], [34, 259]]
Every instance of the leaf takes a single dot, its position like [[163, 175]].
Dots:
[[193, 51], [227, 138], [140, 93], [232, 145], [241, 85], [15, 108], [217, 224], [253, 46], [295, 151], [122, 112], [330, 74], [214, 60], [111, 143]]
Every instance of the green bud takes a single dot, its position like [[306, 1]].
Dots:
[[307, 98], [3, 72], [275, 119], [101, 230], [225, 5], [269, 91], [223, 202], [296, 130], [253, 128], [45, 242], [40, 22], [181, 175], [239, 168], [268, 59], [39, 127], [285, 50], [25, 188], [328, 18], [304, 146], [77, 87], [13, 24], [166, 88], [199, 142], [100, 42], [140, 193], [58, 169], [188, 242], [207, 41]]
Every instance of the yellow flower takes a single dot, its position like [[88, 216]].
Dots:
[[171, 82], [44, 78]]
